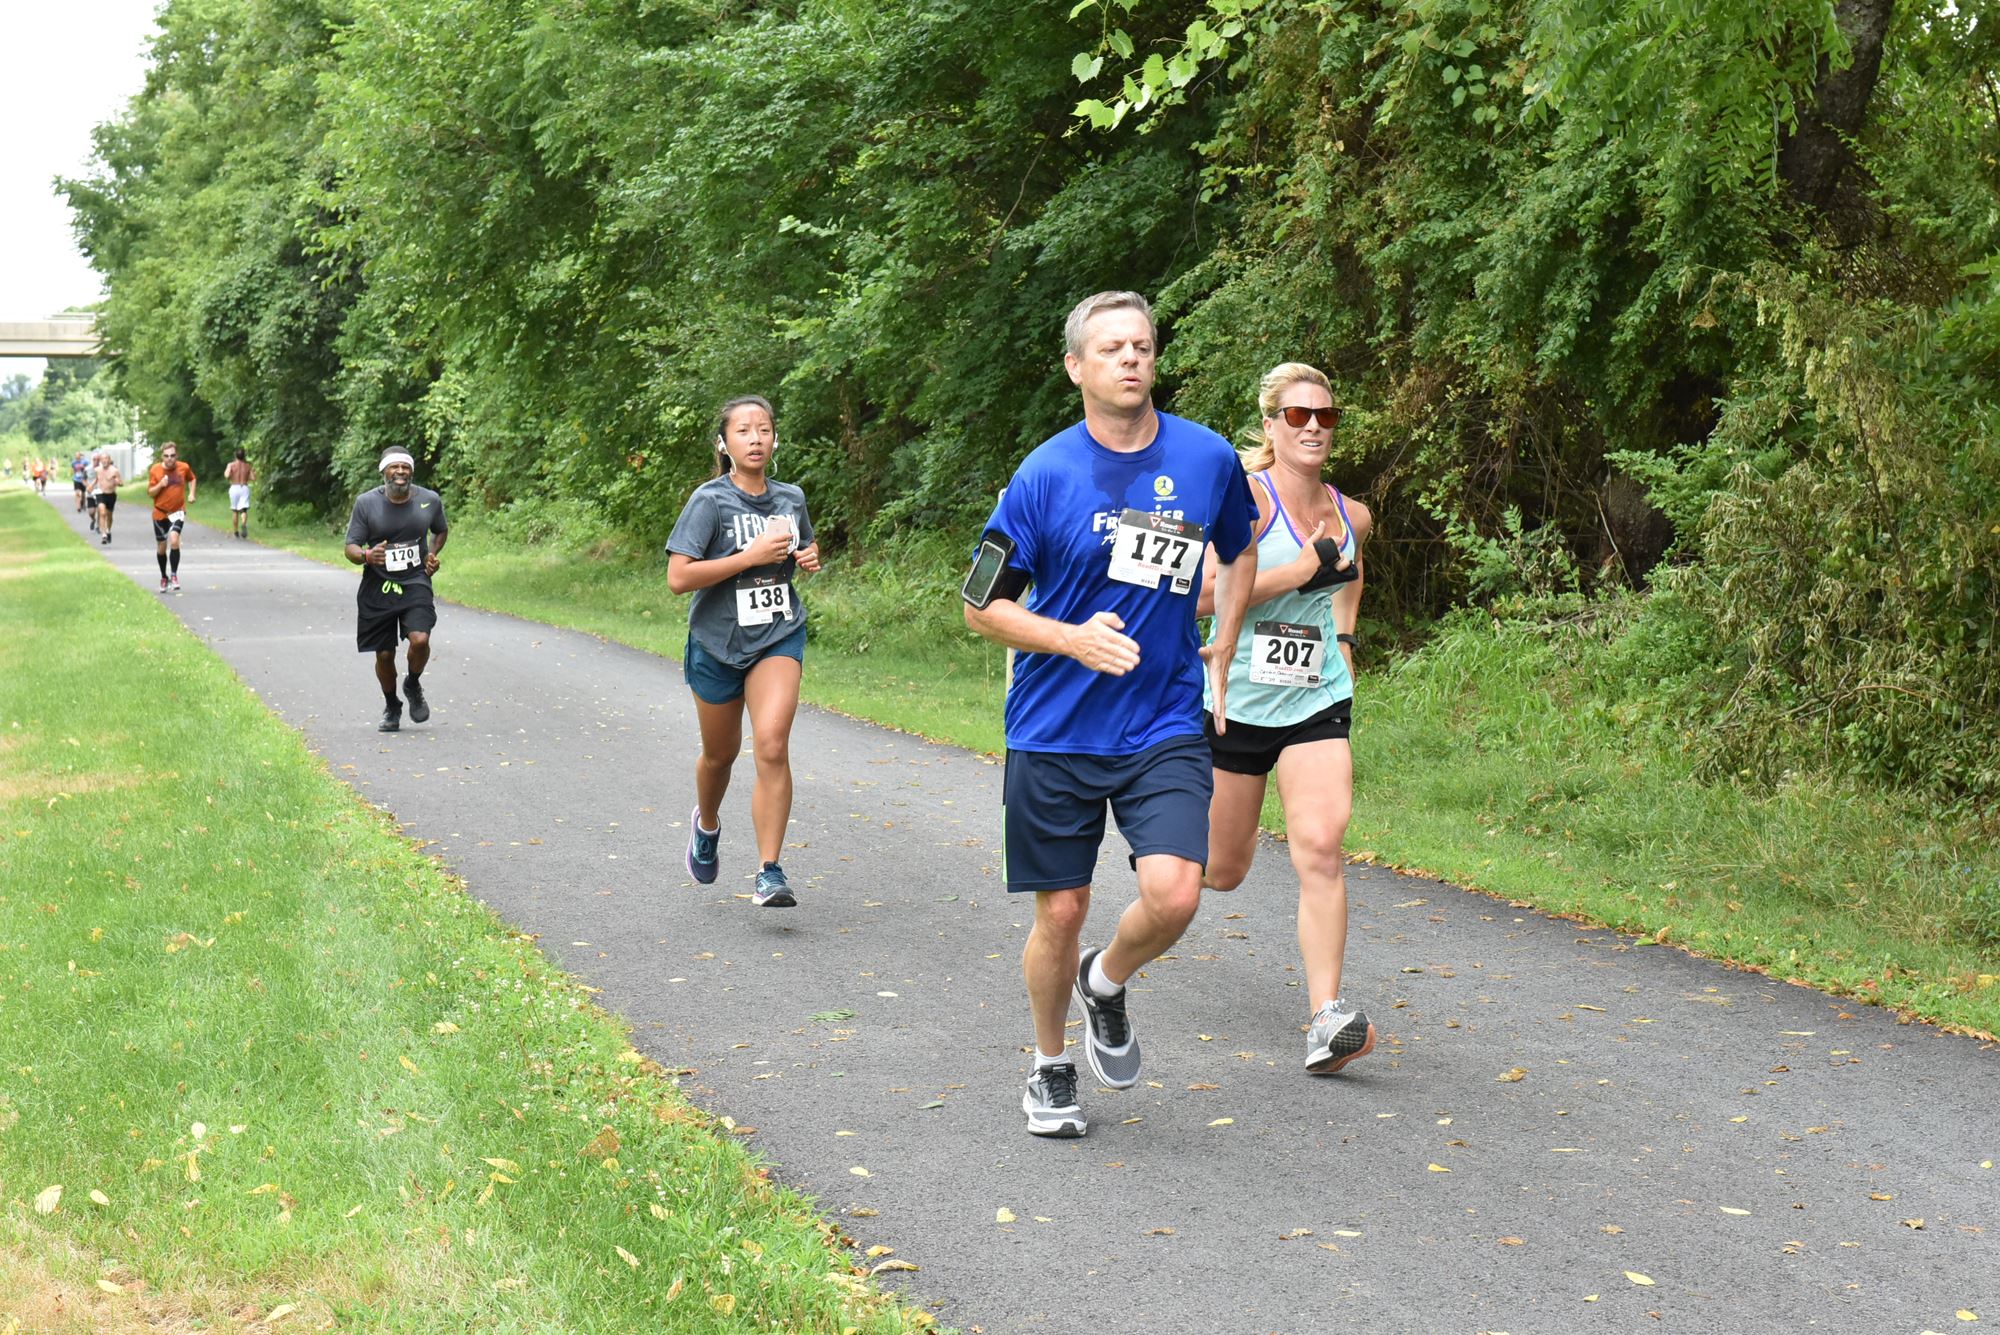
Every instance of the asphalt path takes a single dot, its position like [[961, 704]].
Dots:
[[1561, 1130]]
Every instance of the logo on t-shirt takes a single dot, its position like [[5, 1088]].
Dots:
[[1163, 487], [746, 528]]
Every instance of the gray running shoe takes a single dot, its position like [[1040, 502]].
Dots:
[[1336, 1038], [392, 718], [1108, 1041], [773, 890], [704, 849], [1050, 1103], [420, 708]]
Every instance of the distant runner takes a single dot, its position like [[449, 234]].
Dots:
[[171, 485], [90, 491], [395, 534], [735, 546], [1291, 693], [79, 479], [104, 486], [1108, 521], [239, 475]]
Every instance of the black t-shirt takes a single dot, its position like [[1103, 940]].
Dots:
[[406, 528]]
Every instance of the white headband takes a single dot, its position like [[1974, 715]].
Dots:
[[396, 457]]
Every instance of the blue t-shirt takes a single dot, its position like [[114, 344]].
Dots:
[[1062, 511]]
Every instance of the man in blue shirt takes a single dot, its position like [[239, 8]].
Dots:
[[1107, 522]]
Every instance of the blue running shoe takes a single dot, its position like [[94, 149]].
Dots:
[[773, 890], [704, 847]]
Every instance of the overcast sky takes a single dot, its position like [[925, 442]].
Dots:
[[65, 66]]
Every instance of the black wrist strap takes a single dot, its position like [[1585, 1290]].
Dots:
[[1348, 640]]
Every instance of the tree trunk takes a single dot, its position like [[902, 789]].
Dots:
[[1814, 160]]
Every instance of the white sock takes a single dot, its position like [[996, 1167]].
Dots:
[[1099, 981], [1043, 1061], [704, 829]]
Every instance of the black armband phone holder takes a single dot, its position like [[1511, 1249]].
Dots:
[[1330, 572], [991, 577]]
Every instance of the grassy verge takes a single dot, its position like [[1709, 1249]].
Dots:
[[1490, 759], [264, 1062]]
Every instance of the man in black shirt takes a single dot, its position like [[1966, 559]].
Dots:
[[395, 535]]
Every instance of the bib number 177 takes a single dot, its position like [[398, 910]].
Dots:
[[1149, 546]]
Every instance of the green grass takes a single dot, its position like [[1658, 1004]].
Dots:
[[1491, 759], [273, 1056]]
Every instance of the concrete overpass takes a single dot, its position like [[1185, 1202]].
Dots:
[[63, 336]]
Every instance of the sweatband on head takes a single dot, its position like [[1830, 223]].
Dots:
[[396, 457]]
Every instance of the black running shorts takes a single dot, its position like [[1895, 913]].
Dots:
[[1248, 748], [377, 628]]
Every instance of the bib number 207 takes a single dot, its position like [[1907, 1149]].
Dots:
[[1282, 654]]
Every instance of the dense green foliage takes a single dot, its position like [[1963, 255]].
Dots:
[[1691, 298], [70, 408]]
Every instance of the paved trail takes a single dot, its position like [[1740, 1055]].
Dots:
[[1721, 1134]]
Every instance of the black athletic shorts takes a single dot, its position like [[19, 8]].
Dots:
[[106, 500], [162, 527], [80, 488], [1250, 749], [378, 625]]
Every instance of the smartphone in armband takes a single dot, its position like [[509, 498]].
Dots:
[[991, 577]]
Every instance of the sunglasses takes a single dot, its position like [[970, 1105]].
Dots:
[[1298, 417]]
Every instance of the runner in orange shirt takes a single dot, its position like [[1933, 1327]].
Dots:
[[171, 485]]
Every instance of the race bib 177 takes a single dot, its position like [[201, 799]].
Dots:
[[1148, 546]]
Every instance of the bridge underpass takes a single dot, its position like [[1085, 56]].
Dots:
[[66, 336]]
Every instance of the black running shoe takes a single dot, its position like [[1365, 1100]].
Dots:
[[1108, 1041], [392, 718], [1051, 1105], [420, 708]]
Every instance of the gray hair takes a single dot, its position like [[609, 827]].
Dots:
[[1097, 304]]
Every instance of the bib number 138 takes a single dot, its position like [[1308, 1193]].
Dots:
[[762, 601], [1148, 546]]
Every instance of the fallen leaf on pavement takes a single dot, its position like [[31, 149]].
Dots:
[[1003, 1215], [898, 1264], [1439, 1168], [1509, 1077], [1638, 1278]]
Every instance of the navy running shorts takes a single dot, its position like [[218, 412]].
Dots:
[[714, 682], [1053, 814]]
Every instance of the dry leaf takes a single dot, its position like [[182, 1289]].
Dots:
[[1510, 1242], [659, 1211], [1638, 1278], [1346, 1233], [879, 1250], [99, 1197], [1159, 1233], [859, 1171], [1881, 1195], [604, 1144], [408, 1065], [1223, 1121], [351, 1213], [862, 1212], [110, 1287], [1727, 1209], [725, 1303], [504, 1165], [1965, 1315], [1003, 1215], [1913, 1223], [279, 1313], [898, 1264], [444, 1027], [626, 1257], [1439, 1168], [1509, 1077], [1612, 1229]]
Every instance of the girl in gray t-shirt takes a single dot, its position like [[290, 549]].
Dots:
[[735, 547]]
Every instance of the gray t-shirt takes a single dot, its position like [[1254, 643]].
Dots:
[[721, 519], [376, 518]]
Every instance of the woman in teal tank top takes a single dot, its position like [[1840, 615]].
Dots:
[[1291, 693]]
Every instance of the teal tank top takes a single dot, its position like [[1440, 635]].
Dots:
[[1279, 706]]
